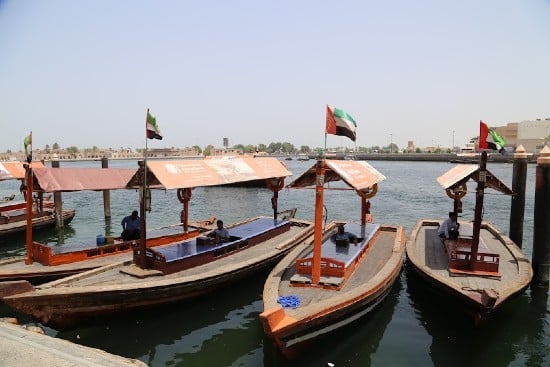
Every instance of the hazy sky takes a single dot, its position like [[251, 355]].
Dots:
[[84, 72]]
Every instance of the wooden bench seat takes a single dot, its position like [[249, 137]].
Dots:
[[194, 252], [459, 253], [338, 261]]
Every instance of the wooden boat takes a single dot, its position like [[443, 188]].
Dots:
[[483, 268], [13, 213], [335, 284], [46, 263], [179, 270]]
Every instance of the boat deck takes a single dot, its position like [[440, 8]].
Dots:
[[426, 252], [314, 299], [239, 232], [336, 258], [120, 275], [73, 247]]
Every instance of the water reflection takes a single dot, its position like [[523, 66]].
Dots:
[[500, 341], [353, 345]]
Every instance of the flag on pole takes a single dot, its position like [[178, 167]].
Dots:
[[340, 123], [490, 139], [151, 127], [26, 143]]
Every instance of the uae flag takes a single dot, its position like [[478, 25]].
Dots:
[[151, 127], [490, 139], [340, 123]]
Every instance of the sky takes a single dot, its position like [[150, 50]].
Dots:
[[83, 73]]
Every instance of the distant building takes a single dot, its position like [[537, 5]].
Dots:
[[532, 134]]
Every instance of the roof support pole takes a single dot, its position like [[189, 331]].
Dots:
[[318, 229], [480, 191], [58, 203]]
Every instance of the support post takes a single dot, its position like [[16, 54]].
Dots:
[[106, 194], [29, 178], [480, 191], [318, 229], [142, 259], [517, 209], [541, 233], [57, 201]]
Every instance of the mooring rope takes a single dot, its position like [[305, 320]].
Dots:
[[289, 301]]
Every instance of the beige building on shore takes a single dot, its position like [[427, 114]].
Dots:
[[532, 134]]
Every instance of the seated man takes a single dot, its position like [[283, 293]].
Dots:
[[342, 235], [220, 234], [449, 228], [130, 227]]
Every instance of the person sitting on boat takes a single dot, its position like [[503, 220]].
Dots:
[[342, 235], [130, 227], [220, 234], [449, 228]]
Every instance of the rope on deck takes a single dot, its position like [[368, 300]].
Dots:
[[289, 301]]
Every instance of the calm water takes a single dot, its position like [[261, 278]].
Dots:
[[412, 327]]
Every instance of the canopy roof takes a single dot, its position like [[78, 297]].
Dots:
[[461, 173], [15, 170], [189, 173], [49, 179], [357, 174]]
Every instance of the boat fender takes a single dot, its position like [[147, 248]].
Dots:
[[184, 195], [370, 193], [458, 192]]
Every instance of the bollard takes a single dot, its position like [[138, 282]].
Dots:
[[517, 210], [541, 232], [106, 194]]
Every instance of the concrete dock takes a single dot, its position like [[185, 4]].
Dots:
[[22, 347]]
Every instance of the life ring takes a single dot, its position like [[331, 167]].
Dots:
[[277, 187], [457, 192], [370, 194], [184, 195]]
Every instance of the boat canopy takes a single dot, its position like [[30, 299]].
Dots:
[[15, 170], [357, 174], [461, 173], [190, 173], [48, 179]]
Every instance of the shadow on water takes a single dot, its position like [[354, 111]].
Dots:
[[513, 335], [352, 345]]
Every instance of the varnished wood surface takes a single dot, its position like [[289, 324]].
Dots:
[[113, 288], [426, 253], [371, 279]]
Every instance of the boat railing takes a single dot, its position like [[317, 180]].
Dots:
[[459, 253], [183, 255]]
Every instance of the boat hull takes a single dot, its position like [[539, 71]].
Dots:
[[477, 296], [42, 220], [49, 265], [323, 310], [111, 289]]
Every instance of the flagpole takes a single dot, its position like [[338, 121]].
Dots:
[[142, 225], [29, 178]]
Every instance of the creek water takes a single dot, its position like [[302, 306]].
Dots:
[[412, 327]]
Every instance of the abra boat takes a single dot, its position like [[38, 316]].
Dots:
[[324, 285], [483, 268], [13, 213], [179, 270], [44, 262]]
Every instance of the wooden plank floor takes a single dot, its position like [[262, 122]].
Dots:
[[375, 260], [112, 278], [427, 253]]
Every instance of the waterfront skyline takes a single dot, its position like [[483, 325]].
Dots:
[[84, 74]]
